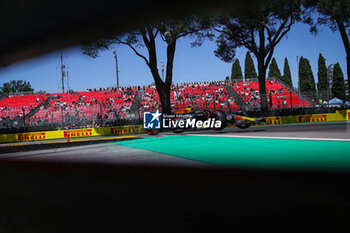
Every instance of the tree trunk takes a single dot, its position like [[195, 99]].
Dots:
[[166, 105], [164, 96], [346, 43], [162, 87], [163, 90], [348, 69], [262, 86]]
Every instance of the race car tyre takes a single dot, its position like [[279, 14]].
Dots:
[[178, 130], [207, 111], [152, 131], [219, 115], [243, 126]]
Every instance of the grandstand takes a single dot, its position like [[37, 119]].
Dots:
[[113, 104], [210, 95], [278, 95], [15, 106], [107, 104], [200, 95]]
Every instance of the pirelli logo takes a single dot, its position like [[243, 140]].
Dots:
[[30, 136], [273, 121], [79, 133], [130, 129], [314, 118]]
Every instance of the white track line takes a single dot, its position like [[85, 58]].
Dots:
[[264, 137]]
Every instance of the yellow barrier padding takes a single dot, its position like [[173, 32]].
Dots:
[[73, 133], [63, 141], [339, 115]]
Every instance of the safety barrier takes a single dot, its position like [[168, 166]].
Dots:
[[73, 133], [340, 115]]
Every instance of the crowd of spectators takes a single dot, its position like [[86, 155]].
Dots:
[[209, 95], [14, 107], [278, 96], [78, 107], [105, 105]]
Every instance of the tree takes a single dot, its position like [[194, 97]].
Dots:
[[249, 69], [338, 86], [307, 81], [259, 29], [287, 77], [336, 15], [146, 36], [227, 78], [236, 72], [274, 71], [15, 86], [322, 75]]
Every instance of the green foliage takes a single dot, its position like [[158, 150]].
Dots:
[[334, 14], [264, 21], [287, 77], [259, 29], [274, 71], [329, 12], [338, 86], [16, 86], [227, 78], [322, 74], [249, 69], [168, 32], [307, 81], [236, 72]]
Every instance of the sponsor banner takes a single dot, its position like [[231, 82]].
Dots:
[[340, 115], [73, 133], [31, 136], [273, 120], [77, 133], [343, 115], [130, 129], [313, 118]]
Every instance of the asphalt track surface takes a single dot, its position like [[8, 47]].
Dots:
[[44, 197], [312, 130], [105, 152]]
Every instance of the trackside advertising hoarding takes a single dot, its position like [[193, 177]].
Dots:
[[343, 115], [73, 133]]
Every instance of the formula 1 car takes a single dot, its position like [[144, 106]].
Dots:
[[239, 119]]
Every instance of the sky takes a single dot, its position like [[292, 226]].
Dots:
[[190, 64]]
